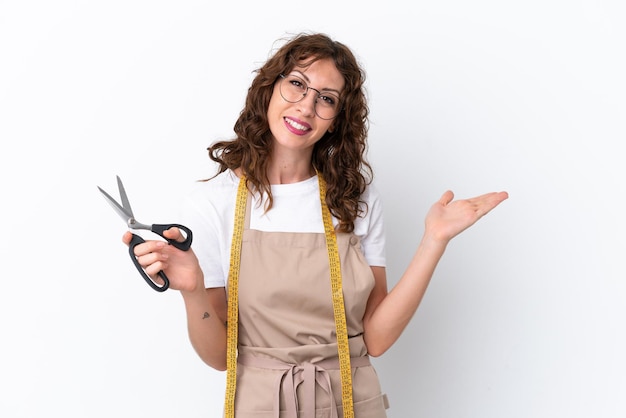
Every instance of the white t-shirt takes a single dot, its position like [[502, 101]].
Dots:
[[209, 211]]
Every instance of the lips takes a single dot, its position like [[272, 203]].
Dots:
[[296, 127]]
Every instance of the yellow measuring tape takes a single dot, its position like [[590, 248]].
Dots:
[[232, 328], [343, 346], [338, 306]]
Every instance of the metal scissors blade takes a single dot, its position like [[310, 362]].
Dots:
[[124, 197], [124, 214]]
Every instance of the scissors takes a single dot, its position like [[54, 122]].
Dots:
[[126, 213]]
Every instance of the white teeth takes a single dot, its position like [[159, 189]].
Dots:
[[296, 125]]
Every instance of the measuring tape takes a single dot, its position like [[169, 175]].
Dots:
[[232, 328], [343, 346], [338, 307]]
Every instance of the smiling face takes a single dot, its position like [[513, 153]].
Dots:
[[295, 127]]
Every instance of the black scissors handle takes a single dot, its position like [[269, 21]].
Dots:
[[159, 229], [135, 241]]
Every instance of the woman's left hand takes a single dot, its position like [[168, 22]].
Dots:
[[447, 217]]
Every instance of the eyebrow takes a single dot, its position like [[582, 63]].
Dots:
[[309, 81]]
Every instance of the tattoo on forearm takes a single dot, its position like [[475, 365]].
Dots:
[[206, 315]]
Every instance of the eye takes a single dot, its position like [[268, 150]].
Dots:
[[328, 99], [297, 83]]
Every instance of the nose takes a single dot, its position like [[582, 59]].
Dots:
[[307, 104]]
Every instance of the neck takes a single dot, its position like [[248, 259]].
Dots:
[[290, 171]]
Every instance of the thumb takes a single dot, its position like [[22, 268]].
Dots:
[[127, 237], [174, 234], [446, 197]]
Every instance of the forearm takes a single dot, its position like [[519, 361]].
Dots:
[[206, 326], [391, 316]]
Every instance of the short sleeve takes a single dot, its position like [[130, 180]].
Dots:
[[371, 229]]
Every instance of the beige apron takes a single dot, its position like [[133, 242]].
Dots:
[[287, 356]]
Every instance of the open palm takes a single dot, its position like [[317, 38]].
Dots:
[[447, 217]]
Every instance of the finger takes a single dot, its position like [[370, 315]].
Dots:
[[489, 197], [495, 198], [446, 197], [152, 270], [489, 201], [152, 257], [127, 237], [157, 279], [174, 233], [153, 263], [148, 247]]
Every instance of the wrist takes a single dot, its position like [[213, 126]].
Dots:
[[196, 289], [434, 242]]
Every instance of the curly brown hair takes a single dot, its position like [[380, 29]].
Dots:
[[339, 156]]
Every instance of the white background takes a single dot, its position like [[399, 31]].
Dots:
[[525, 316]]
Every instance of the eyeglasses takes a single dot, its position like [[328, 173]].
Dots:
[[293, 89]]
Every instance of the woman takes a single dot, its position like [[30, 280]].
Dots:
[[304, 221]]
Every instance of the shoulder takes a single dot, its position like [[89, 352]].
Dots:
[[372, 210], [214, 189], [212, 198], [371, 200], [369, 226]]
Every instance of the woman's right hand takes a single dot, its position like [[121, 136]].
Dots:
[[181, 267]]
